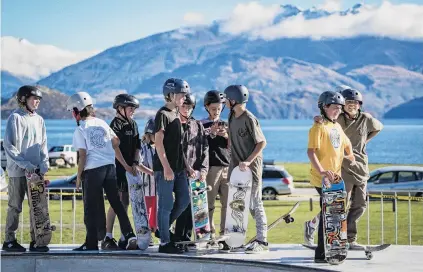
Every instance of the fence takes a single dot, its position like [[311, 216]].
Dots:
[[395, 218]]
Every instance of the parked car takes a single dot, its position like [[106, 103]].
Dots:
[[276, 181], [3, 156], [392, 178], [62, 154], [67, 184]]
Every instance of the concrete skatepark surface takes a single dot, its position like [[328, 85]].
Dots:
[[281, 257]]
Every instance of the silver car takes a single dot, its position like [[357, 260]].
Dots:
[[400, 179], [276, 181]]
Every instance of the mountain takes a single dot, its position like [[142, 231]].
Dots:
[[410, 110], [53, 106], [285, 75], [11, 83]]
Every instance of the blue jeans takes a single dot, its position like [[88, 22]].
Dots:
[[168, 209]]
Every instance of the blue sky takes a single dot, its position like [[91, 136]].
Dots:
[[85, 25]]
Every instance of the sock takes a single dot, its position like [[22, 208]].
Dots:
[[109, 234], [122, 237]]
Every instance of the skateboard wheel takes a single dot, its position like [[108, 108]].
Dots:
[[208, 246], [292, 220], [287, 220], [220, 246], [53, 228], [369, 255], [209, 188]]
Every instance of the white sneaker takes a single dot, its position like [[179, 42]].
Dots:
[[257, 247], [355, 246], [308, 234]]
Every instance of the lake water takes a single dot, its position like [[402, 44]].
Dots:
[[400, 142]]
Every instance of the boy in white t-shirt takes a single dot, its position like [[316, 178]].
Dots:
[[97, 146]]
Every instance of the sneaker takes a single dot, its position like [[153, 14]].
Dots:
[[354, 245], [151, 240], [257, 247], [223, 247], [122, 244], [13, 246], [130, 241], [308, 234], [34, 248], [85, 248], [109, 244], [170, 248]]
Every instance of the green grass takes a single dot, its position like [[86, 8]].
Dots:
[[283, 233]]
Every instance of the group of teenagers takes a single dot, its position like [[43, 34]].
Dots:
[[174, 148]]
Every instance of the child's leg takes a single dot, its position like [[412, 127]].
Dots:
[[213, 181], [320, 250], [16, 191], [223, 193], [256, 203]]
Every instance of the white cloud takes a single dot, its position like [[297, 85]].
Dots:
[[194, 18], [250, 16], [35, 61], [331, 5], [396, 21]]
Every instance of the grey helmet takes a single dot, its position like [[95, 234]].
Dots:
[[330, 97], [175, 85], [350, 94], [79, 100], [238, 93], [214, 96], [27, 91], [149, 126]]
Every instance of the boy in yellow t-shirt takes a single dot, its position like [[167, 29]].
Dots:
[[327, 143]]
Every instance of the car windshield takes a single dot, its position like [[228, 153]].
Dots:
[[56, 149]]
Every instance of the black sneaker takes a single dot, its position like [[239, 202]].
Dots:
[[223, 247], [109, 244], [34, 248], [157, 233], [85, 248], [170, 248], [13, 246], [130, 241]]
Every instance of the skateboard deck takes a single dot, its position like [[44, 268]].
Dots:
[[334, 220], [238, 206], [199, 209], [368, 250], [139, 211], [39, 214]]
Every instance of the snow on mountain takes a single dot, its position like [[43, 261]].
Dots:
[[34, 61]]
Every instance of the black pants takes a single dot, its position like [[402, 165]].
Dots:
[[95, 180], [183, 226], [320, 250]]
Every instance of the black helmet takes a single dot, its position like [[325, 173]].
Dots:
[[149, 126], [125, 100], [214, 96], [27, 91], [329, 97], [350, 94], [239, 93], [175, 85], [190, 100]]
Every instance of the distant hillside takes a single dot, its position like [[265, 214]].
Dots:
[[409, 110], [53, 106]]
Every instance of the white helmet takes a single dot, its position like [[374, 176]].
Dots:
[[79, 100]]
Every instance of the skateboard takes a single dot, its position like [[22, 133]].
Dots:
[[368, 250], [199, 211], [238, 206], [139, 211], [334, 216], [39, 214], [287, 217]]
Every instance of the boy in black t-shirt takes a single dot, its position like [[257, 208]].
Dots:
[[168, 162], [126, 130], [219, 157]]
